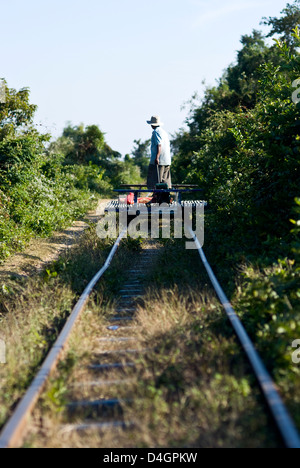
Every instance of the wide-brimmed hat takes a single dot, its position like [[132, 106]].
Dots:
[[155, 121]]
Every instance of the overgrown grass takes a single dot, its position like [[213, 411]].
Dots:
[[193, 386], [265, 292], [200, 380], [199, 391], [23, 221], [34, 310]]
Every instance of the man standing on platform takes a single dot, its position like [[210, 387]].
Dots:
[[160, 162]]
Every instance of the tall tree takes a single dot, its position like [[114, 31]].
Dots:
[[16, 112], [285, 25], [82, 145], [141, 155]]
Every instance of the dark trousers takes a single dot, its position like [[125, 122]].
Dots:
[[162, 175]]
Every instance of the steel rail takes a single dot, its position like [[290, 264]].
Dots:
[[282, 418], [14, 428]]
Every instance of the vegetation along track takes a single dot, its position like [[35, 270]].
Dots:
[[116, 352]]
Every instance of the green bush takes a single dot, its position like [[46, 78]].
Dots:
[[37, 194], [43, 186], [242, 148]]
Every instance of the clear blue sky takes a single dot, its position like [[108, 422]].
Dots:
[[115, 63]]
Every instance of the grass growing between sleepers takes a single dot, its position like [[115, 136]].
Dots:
[[34, 310], [192, 386]]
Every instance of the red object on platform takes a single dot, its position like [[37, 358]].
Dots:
[[144, 199], [130, 199]]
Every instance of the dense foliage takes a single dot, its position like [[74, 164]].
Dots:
[[243, 144], [242, 147], [45, 186], [141, 155], [36, 197], [92, 162]]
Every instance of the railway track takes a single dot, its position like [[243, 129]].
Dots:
[[116, 349]]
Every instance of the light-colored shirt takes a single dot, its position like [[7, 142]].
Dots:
[[160, 137]]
